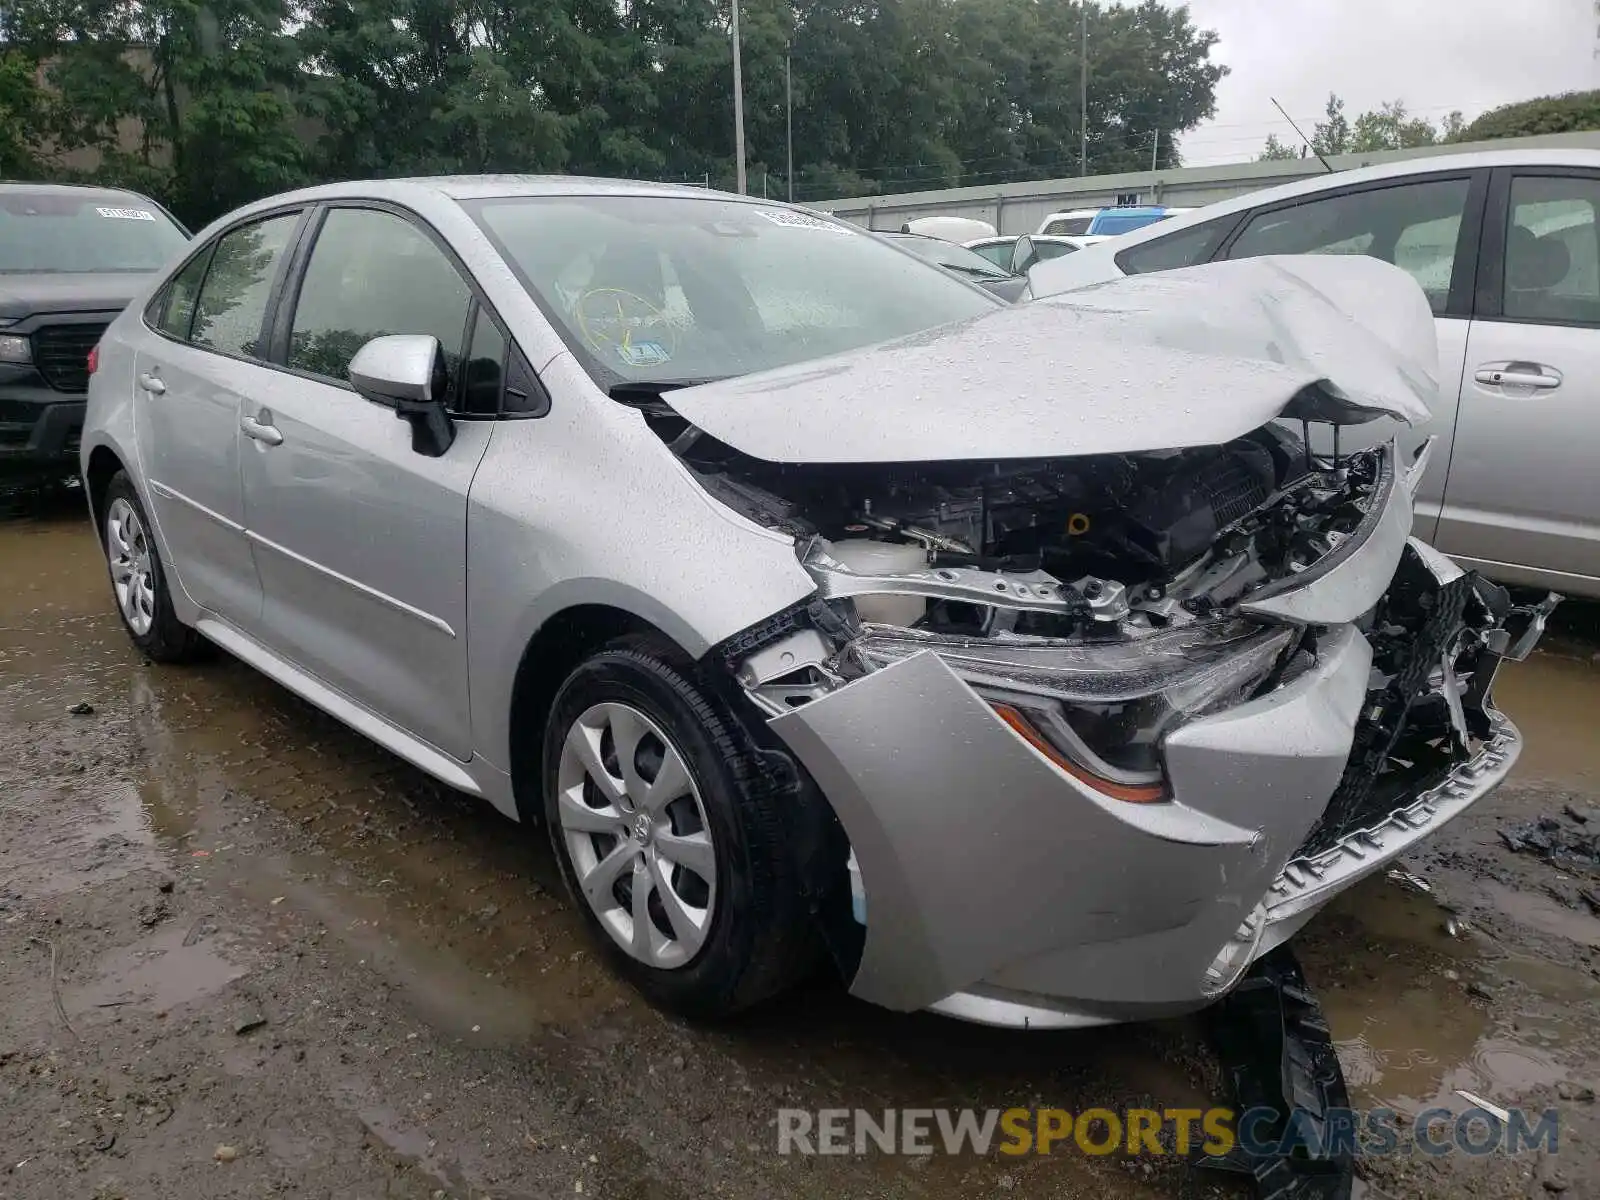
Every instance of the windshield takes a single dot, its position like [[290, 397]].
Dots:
[[1068, 226], [656, 288], [83, 232], [952, 257]]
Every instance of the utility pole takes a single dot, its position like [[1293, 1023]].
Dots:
[[1083, 90], [788, 100], [1155, 151], [738, 105]]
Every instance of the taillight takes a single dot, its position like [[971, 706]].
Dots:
[[94, 357]]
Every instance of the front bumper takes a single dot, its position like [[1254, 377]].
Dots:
[[39, 430], [1002, 890]]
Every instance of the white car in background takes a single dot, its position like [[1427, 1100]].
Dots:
[[1504, 244], [1004, 252], [1068, 224]]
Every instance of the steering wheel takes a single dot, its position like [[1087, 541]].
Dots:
[[623, 324]]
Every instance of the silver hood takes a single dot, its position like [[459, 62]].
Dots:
[[1161, 361]]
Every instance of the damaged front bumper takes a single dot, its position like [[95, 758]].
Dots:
[[1003, 886]]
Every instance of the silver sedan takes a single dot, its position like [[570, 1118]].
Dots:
[[1014, 659]]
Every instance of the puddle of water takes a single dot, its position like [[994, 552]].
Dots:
[[1552, 698], [1408, 1034], [1542, 913], [173, 966]]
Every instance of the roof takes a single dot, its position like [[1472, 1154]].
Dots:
[[482, 187]]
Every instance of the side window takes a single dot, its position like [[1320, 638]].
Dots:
[[999, 253], [1048, 250], [1186, 248], [1552, 252], [177, 303], [233, 298], [373, 273], [484, 373], [1413, 226]]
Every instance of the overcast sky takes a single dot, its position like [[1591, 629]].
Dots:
[[1436, 55]]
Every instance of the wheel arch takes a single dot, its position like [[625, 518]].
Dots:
[[101, 467], [558, 645]]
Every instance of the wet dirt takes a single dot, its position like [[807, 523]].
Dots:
[[227, 921]]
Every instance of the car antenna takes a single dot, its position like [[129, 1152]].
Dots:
[[1326, 165]]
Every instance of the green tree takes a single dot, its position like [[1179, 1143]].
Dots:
[[21, 109], [1276, 150], [1388, 127], [1569, 112]]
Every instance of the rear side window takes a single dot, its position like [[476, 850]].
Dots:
[[372, 273], [1186, 248], [1412, 225], [178, 302], [1048, 250], [1552, 252], [238, 283]]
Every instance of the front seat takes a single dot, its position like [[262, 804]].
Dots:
[[1534, 266]]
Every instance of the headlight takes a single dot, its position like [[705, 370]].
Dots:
[[1100, 710], [14, 348]]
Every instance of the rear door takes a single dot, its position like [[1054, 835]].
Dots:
[[361, 541], [1427, 225], [1524, 495], [198, 357]]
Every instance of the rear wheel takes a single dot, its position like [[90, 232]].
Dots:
[[670, 847], [138, 579]]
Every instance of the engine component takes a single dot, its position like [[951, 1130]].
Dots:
[[867, 557]]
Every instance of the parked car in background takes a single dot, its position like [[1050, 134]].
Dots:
[[949, 229], [1068, 224], [971, 266], [70, 258], [815, 600], [1503, 243], [1112, 222], [1001, 251]]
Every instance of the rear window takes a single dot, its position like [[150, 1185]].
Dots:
[[1068, 226], [83, 233]]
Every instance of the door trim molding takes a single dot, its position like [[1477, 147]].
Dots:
[[168, 493], [426, 618]]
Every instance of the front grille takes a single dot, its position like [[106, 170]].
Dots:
[[61, 352]]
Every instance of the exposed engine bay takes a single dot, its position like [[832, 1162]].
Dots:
[[1105, 546]]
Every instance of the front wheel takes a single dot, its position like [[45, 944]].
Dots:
[[139, 580], [668, 845]]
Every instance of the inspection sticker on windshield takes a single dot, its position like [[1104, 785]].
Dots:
[[127, 214], [796, 220], [643, 354]]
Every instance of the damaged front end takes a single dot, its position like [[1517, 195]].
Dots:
[[1103, 727], [1212, 688]]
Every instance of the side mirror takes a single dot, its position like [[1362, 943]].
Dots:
[[407, 372], [1023, 255]]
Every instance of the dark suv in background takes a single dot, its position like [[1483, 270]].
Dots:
[[70, 260]]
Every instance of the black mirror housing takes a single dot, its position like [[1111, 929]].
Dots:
[[408, 373]]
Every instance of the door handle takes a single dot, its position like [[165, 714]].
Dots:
[[260, 432], [151, 382], [1518, 374]]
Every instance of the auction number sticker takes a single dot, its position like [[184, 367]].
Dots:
[[795, 220], [127, 214]]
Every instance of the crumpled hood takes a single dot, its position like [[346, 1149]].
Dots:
[[1181, 358]]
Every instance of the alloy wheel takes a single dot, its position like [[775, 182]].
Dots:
[[636, 833], [132, 569]]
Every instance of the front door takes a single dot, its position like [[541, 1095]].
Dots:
[[1523, 497], [190, 380], [360, 541]]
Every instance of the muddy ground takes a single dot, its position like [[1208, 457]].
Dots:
[[245, 953]]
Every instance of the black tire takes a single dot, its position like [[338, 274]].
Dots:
[[762, 938], [168, 640]]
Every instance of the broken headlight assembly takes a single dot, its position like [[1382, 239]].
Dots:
[[1099, 710]]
